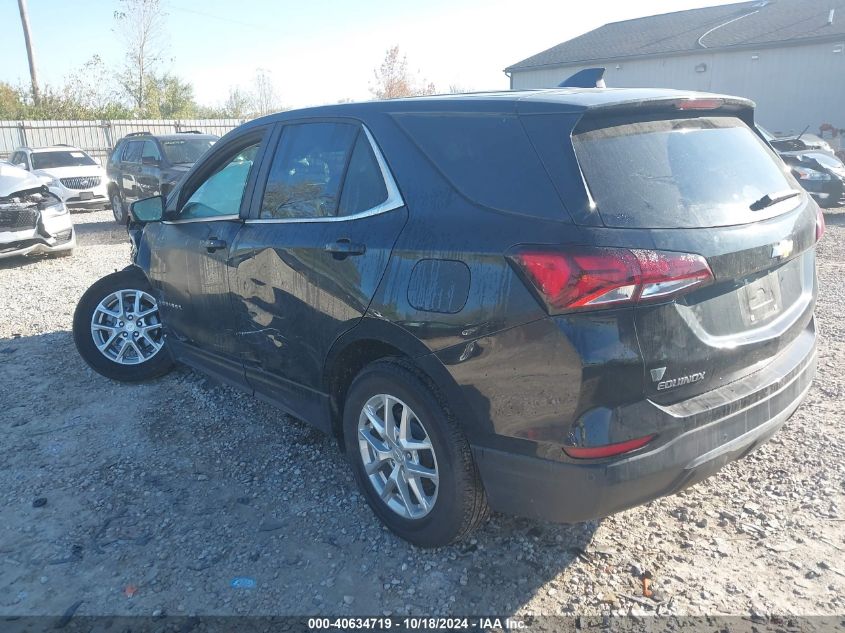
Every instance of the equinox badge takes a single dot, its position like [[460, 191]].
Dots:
[[683, 380]]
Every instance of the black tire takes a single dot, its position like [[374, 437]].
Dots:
[[461, 504], [118, 208], [128, 279]]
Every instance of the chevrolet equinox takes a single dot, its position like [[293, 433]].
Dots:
[[556, 303]]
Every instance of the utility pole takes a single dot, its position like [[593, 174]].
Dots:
[[33, 74]]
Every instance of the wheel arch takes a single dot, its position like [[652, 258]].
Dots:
[[375, 339]]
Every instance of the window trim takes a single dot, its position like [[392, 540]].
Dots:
[[210, 218], [394, 197]]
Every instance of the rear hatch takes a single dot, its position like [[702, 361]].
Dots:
[[704, 184]]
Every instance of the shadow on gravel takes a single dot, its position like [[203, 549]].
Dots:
[[103, 232], [20, 262], [834, 219], [176, 494]]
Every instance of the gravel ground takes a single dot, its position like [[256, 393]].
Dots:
[[182, 497]]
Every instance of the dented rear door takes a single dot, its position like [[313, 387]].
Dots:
[[327, 214]]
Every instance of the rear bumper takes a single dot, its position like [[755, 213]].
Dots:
[[701, 435]]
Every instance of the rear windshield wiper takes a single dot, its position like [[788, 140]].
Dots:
[[773, 198]]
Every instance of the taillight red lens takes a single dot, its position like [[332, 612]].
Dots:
[[607, 450], [584, 277], [666, 273], [820, 225]]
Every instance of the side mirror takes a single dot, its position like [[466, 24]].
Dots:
[[147, 210], [149, 160]]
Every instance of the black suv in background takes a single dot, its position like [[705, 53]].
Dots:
[[144, 165], [556, 303]]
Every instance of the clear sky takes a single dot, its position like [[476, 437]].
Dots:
[[315, 51]]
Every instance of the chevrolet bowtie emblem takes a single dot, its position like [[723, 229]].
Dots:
[[782, 249]]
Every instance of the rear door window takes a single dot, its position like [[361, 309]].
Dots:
[[364, 186], [307, 171], [150, 152], [680, 173]]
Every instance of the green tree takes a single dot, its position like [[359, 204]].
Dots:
[[12, 106], [169, 97]]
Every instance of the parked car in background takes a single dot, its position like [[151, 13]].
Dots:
[[69, 172], [820, 173], [797, 143], [144, 164], [553, 303], [32, 218]]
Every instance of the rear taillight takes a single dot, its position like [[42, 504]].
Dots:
[[820, 225], [585, 277], [699, 104], [607, 450]]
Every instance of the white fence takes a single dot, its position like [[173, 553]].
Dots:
[[98, 138]]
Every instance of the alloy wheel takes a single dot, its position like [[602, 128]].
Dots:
[[126, 327], [398, 456]]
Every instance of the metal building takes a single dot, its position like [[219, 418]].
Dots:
[[786, 55]]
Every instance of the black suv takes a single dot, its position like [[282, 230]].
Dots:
[[557, 303], [144, 165]]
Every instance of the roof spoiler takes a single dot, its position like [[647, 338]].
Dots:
[[587, 78]]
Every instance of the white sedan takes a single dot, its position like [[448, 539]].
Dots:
[[70, 173]]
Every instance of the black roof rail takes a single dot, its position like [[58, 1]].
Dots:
[[190, 132], [138, 134], [587, 78]]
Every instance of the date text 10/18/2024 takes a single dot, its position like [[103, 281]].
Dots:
[[415, 623]]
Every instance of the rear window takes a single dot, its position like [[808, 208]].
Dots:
[[679, 173], [488, 158], [185, 151]]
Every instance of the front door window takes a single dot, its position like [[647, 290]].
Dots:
[[222, 192]]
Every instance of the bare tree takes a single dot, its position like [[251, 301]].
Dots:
[[392, 78], [265, 99], [91, 87], [30, 54], [141, 23]]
